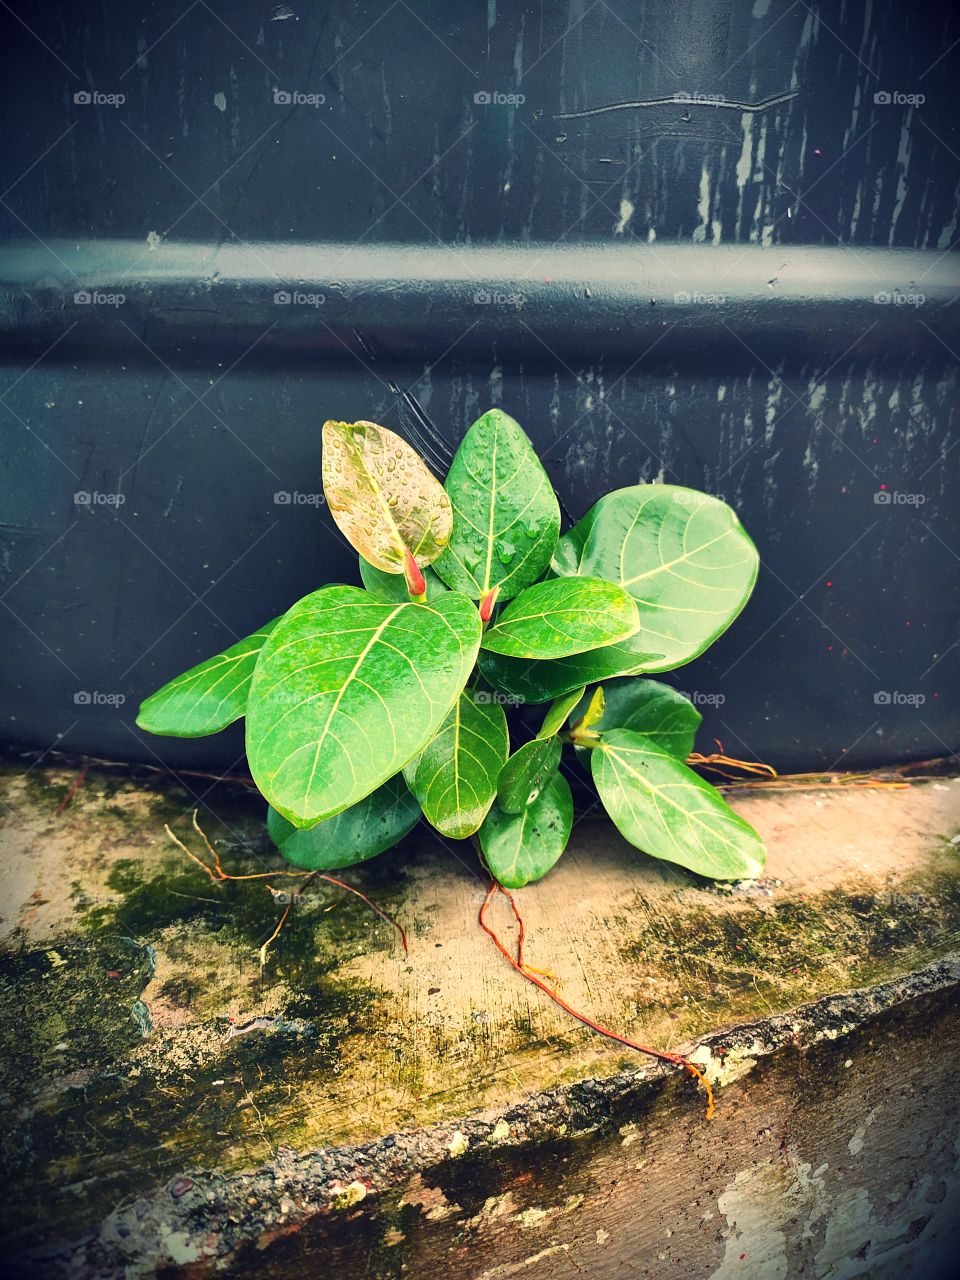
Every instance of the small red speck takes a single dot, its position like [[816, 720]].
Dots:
[[546, 279], [908, 624], [232, 1019], [113, 973], [883, 486], [843, 488], [742, 1256], [817, 151], [829, 648], [829, 584], [874, 439]]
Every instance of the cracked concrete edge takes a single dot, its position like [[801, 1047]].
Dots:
[[198, 1219]]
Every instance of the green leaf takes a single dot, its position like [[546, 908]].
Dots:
[[683, 556], [368, 827], [522, 778], [208, 697], [554, 720], [456, 775], [347, 690], [506, 517], [540, 681], [668, 811], [561, 617], [520, 847], [660, 713], [383, 496], [566, 556], [593, 712], [392, 587]]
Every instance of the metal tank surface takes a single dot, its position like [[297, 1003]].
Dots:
[[707, 244]]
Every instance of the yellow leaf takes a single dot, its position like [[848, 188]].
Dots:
[[382, 495]]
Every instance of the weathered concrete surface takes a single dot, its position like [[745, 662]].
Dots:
[[325, 1093]]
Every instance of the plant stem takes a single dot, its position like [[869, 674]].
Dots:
[[527, 972]]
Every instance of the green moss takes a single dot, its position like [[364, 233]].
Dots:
[[755, 954], [99, 1120]]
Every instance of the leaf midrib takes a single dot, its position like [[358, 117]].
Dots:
[[346, 684], [493, 506], [626, 583], [659, 792]]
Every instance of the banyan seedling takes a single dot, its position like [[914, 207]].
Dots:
[[369, 708]]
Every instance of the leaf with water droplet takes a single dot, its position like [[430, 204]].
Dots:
[[498, 489], [382, 496], [521, 847]]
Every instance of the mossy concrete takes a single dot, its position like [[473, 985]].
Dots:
[[146, 1047]]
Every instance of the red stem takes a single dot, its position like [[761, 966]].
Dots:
[[416, 582], [676, 1059]]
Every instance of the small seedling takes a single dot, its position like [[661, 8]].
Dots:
[[370, 707]]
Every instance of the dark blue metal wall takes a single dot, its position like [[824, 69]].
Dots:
[[703, 243]]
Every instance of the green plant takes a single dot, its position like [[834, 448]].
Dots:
[[369, 707]]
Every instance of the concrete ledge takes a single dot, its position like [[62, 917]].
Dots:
[[174, 1108]]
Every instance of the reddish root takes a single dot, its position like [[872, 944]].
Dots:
[[720, 763], [526, 971], [218, 876], [75, 786]]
